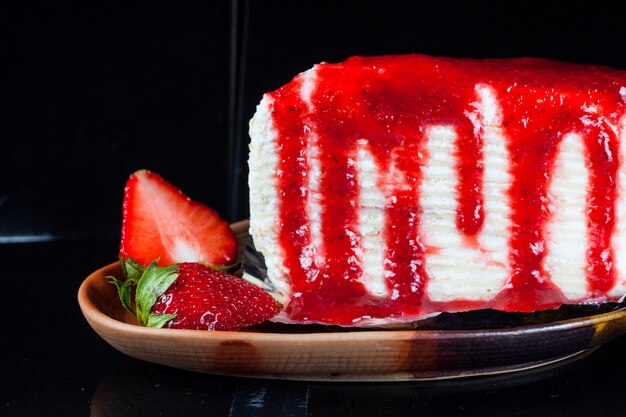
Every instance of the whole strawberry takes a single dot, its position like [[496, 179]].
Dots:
[[192, 296]]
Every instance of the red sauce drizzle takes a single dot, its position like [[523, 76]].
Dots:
[[292, 174], [603, 163], [391, 102]]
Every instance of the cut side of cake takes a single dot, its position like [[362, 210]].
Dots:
[[388, 189]]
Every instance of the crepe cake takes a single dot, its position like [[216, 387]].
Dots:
[[387, 189]]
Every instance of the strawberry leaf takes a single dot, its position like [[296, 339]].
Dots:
[[153, 283], [132, 269], [159, 320], [124, 292]]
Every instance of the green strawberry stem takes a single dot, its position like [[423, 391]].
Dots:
[[150, 283]]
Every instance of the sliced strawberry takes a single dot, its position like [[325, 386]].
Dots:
[[159, 221], [193, 296]]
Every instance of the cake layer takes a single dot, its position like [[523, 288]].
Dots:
[[386, 189]]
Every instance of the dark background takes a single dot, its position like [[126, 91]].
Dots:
[[91, 92]]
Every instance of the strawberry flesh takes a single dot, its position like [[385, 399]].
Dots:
[[159, 221], [203, 298]]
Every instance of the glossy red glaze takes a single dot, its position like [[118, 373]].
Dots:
[[392, 101]]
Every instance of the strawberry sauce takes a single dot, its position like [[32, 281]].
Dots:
[[391, 102]]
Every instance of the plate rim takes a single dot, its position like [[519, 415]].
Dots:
[[106, 326], [412, 354], [91, 311]]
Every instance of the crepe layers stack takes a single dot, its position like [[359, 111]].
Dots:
[[387, 189]]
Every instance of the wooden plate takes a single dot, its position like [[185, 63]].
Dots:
[[314, 353]]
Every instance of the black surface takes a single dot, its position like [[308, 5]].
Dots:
[[90, 93]]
